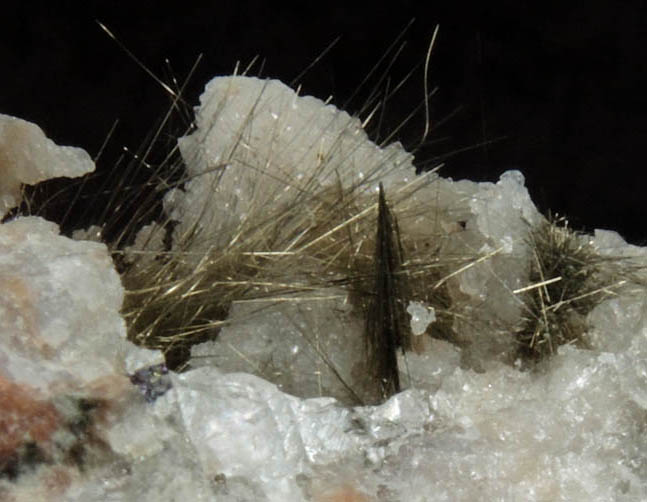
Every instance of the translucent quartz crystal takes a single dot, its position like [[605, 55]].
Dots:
[[421, 317], [307, 344], [27, 156]]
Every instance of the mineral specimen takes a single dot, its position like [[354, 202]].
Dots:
[[88, 416]]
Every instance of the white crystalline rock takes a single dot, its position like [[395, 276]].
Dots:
[[149, 242], [502, 215], [609, 243], [27, 156], [462, 221], [266, 451], [152, 459], [428, 369], [288, 343], [59, 308], [570, 433], [260, 145], [421, 317], [504, 210], [93, 233], [284, 447], [62, 338]]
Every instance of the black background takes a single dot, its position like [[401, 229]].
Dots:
[[557, 93]]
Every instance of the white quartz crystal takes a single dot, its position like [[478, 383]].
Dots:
[[27, 156], [421, 317], [59, 311], [289, 343]]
